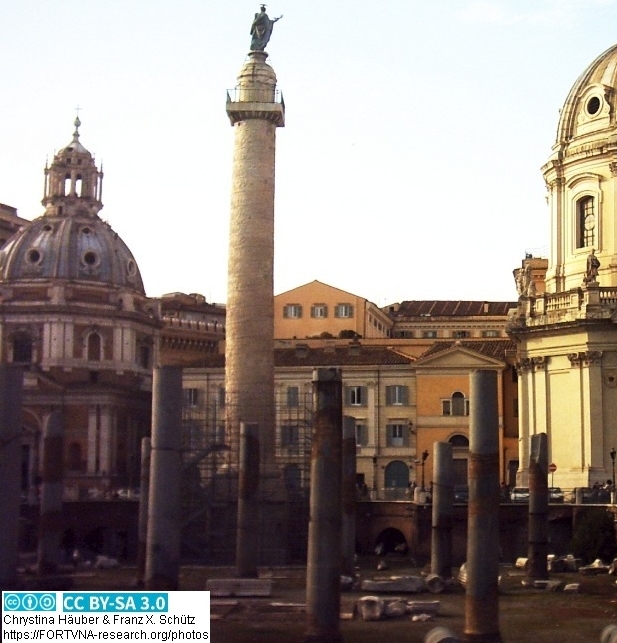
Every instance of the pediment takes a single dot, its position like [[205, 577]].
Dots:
[[460, 358]]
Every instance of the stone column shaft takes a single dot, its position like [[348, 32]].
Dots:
[[247, 534], [163, 540], [482, 599], [249, 345], [50, 525], [323, 570], [443, 498], [142, 524], [11, 382], [538, 508], [348, 536]]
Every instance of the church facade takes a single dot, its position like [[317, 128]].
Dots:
[[564, 323], [75, 316]]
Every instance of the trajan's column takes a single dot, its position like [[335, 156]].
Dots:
[[255, 109]]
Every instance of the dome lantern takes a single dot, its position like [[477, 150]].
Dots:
[[73, 183]]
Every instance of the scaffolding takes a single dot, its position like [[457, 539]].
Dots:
[[209, 488]]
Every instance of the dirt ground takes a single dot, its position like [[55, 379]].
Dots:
[[525, 614]]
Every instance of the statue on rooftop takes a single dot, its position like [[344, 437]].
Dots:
[[261, 29], [593, 265]]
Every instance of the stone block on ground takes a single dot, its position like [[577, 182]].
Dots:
[[435, 584], [441, 635], [609, 634], [422, 607], [593, 570], [371, 608], [239, 586], [395, 607], [399, 584]]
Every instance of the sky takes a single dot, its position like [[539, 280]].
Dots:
[[409, 164]]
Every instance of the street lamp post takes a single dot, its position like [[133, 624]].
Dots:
[[612, 454], [425, 456]]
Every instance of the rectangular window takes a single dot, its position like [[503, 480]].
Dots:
[[356, 396], [586, 222], [429, 334], [397, 395], [490, 333], [361, 435], [290, 437], [293, 396], [459, 334], [396, 435], [292, 311], [319, 311], [343, 311], [446, 407], [191, 396], [221, 397]]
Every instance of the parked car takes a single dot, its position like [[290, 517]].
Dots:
[[555, 494], [519, 494], [461, 493]]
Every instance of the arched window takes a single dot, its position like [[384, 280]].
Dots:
[[456, 405], [585, 222], [397, 474], [22, 349], [459, 441], [94, 347]]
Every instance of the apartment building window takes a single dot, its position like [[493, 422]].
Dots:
[[221, 397], [22, 349], [361, 435], [586, 222], [191, 396], [490, 333], [94, 347], [396, 435], [293, 396], [405, 334], [456, 405], [290, 437], [292, 311], [356, 396], [343, 311], [397, 395], [429, 334], [319, 311], [460, 334]]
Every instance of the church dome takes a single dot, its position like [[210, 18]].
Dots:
[[70, 248], [590, 107], [70, 241]]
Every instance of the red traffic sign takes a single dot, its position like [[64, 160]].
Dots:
[[552, 468]]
